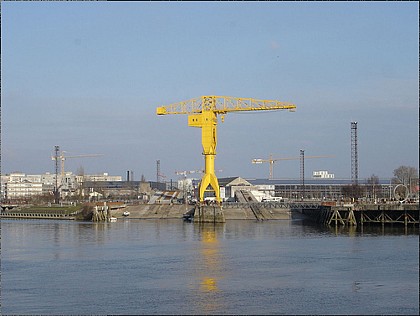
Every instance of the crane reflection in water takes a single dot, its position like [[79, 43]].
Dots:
[[210, 269]]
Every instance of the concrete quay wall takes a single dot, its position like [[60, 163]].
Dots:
[[264, 213], [37, 216], [159, 211]]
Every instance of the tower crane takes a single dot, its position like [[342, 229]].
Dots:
[[202, 113], [62, 158], [272, 160], [185, 172]]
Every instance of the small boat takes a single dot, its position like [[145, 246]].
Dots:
[[187, 218], [126, 213], [113, 219]]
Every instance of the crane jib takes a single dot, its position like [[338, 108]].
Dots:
[[222, 105]]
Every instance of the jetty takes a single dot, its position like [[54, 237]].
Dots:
[[364, 214]]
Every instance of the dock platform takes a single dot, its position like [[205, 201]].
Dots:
[[354, 215]]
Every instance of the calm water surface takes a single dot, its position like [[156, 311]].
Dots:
[[172, 267]]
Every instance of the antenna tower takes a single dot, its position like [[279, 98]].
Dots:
[[302, 171], [56, 192], [354, 156], [157, 171]]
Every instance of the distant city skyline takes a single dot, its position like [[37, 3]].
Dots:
[[88, 77]]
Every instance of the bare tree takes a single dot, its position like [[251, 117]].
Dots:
[[353, 191], [372, 189], [80, 171], [407, 176]]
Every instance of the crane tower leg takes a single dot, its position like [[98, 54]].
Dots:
[[209, 178], [207, 121]]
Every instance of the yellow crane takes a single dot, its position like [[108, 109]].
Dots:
[[272, 160], [202, 112]]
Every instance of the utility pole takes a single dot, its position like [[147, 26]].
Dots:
[[302, 171], [56, 191], [60, 156]]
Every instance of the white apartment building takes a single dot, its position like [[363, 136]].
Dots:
[[4, 180], [19, 185], [322, 174]]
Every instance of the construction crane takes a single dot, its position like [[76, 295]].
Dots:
[[185, 172], [202, 113], [272, 160], [62, 158]]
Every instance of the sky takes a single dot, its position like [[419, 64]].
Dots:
[[88, 77]]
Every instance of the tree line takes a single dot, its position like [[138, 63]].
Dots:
[[405, 179]]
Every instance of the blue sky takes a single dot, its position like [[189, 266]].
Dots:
[[88, 76]]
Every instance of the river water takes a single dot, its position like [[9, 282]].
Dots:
[[173, 267]]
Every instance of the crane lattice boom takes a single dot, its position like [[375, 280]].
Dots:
[[62, 157], [272, 160], [185, 172], [222, 105], [259, 160]]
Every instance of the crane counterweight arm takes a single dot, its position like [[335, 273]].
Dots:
[[222, 105]]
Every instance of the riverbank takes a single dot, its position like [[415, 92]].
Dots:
[[147, 211]]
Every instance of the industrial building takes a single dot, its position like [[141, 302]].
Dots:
[[119, 189], [322, 186], [292, 189], [325, 188]]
